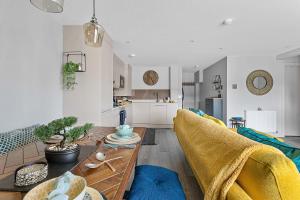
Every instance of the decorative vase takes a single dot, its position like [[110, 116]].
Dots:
[[65, 156]]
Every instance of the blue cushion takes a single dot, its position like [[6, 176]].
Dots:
[[155, 183], [291, 152], [197, 111]]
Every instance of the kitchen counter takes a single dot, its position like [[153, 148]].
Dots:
[[116, 108], [148, 101]]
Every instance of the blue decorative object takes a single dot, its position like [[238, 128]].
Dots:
[[124, 131], [237, 118], [197, 111], [155, 183], [291, 152], [122, 117]]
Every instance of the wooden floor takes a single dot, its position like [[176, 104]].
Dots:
[[167, 153], [295, 141]]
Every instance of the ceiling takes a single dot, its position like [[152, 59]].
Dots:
[[160, 31]]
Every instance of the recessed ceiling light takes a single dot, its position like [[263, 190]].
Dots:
[[131, 55], [220, 48], [127, 42], [227, 21], [192, 41]]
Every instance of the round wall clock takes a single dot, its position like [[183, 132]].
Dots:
[[150, 77]]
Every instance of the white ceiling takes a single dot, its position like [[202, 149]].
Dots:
[[160, 31]]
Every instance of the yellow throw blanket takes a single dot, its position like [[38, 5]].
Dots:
[[220, 152]]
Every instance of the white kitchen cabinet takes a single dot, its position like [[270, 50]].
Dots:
[[140, 113], [158, 113], [138, 82], [153, 115]]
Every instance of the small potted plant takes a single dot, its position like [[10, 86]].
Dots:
[[66, 151], [69, 75]]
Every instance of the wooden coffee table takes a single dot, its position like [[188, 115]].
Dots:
[[111, 184]]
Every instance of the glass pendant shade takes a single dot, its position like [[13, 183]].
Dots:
[[52, 6], [93, 33]]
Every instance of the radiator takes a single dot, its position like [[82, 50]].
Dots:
[[264, 121]]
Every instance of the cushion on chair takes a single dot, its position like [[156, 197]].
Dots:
[[155, 183]]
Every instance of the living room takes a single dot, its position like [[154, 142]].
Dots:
[[149, 100]]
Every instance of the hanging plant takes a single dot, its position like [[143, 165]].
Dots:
[[69, 75]]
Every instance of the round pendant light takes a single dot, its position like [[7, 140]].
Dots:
[[52, 6], [93, 32]]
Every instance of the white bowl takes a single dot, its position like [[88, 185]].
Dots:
[[76, 192]]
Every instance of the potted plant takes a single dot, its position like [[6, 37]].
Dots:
[[65, 151], [69, 75]]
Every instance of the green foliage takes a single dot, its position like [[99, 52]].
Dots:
[[59, 125], [56, 126], [62, 127], [43, 133], [69, 75], [70, 121], [76, 132], [87, 127]]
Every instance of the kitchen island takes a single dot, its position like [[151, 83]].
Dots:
[[152, 114]]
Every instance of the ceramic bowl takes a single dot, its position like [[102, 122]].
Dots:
[[76, 191], [100, 156], [124, 131], [31, 174]]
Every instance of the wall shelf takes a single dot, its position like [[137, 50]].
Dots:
[[77, 57]]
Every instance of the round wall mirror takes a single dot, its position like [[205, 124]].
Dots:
[[259, 82], [150, 77]]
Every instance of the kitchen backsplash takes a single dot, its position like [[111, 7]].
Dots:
[[150, 94]]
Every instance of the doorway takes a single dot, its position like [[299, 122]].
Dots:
[[292, 100]]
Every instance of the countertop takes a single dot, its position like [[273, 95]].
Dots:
[[147, 101], [116, 108]]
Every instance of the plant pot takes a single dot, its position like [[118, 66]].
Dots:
[[66, 156]]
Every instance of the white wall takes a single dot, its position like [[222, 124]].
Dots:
[[207, 90], [138, 82], [30, 65], [93, 93], [240, 99]]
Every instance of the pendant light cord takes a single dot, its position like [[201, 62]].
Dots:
[[94, 9]]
